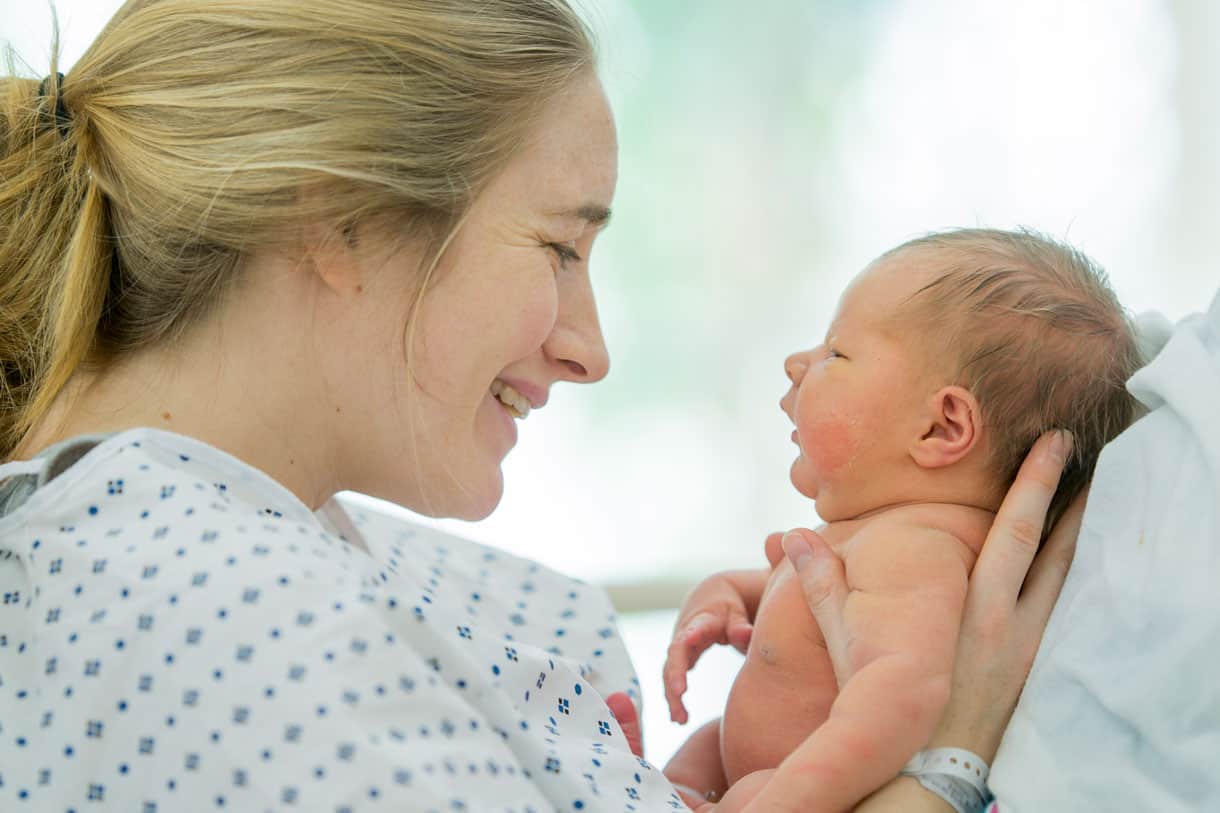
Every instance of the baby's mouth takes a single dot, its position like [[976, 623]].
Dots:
[[517, 404]]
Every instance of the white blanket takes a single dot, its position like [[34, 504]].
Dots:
[[1122, 708]]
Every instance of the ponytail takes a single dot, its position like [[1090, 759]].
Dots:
[[54, 255]]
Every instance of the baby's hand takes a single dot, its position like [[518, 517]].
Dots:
[[715, 612]]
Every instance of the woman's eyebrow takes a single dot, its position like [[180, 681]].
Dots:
[[593, 213]]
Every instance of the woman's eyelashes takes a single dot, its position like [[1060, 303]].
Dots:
[[566, 253]]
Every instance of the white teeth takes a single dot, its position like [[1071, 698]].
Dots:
[[518, 405]]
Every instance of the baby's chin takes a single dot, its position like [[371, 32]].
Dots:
[[828, 511], [827, 507], [801, 480], [832, 504]]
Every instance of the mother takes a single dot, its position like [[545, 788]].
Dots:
[[253, 254]]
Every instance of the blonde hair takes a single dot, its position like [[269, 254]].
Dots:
[[200, 130], [1031, 327]]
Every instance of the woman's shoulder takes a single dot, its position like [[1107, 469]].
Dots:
[[149, 519], [147, 474]]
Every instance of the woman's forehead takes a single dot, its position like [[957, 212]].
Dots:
[[569, 166]]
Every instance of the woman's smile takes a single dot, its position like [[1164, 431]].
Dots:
[[505, 420]]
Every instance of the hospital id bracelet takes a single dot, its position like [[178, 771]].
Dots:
[[955, 775]]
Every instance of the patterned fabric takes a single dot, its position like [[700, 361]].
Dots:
[[179, 632]]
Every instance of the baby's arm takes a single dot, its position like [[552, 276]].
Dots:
[[907, 589], [720, 610]]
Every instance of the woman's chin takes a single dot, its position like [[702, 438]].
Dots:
[[479, 501], [470, 501]]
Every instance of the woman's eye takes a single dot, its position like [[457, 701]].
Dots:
[[565, 253], [831, 353]]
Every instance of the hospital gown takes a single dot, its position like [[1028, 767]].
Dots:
[[179, 632]]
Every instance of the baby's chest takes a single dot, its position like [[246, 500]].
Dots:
[[784, 627]]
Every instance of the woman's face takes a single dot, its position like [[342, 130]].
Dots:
[[510, 311]]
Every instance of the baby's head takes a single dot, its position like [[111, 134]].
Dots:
[[948, 356]]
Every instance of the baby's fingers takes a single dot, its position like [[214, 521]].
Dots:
[[673, 675], [737, 629], [690, 641], [703, 630], [740, 634]]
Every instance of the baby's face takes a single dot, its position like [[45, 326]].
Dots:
[[855, 398]]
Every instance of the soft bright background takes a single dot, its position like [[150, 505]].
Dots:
[[769, 151]]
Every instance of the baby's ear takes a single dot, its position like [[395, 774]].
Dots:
[[952, 426]]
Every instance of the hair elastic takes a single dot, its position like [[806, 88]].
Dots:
[[63, 119]]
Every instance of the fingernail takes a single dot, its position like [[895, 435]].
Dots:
[[796, 549], [1061, 444]]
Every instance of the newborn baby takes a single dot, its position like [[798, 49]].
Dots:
[[948, 356]]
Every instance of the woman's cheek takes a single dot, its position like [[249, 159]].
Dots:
[[537, 317]]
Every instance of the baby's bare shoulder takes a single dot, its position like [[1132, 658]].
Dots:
[[923, 524], [903, 544]]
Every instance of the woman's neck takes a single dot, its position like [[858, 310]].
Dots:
[[211, 396]]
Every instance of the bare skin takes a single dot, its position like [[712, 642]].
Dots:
[[1013, 589], [907, 570], [895, 455], [301, 368]]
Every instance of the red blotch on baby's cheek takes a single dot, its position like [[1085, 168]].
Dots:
[[829, 445]]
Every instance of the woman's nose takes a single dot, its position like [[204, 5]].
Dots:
[[576, 342]]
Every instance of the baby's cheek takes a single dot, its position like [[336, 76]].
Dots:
[[830, 445]]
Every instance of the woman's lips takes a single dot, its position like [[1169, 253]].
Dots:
[[536, 395], [517, 404]]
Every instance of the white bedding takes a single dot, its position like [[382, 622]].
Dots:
[[1122, 708]]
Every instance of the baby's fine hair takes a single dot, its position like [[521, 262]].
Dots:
[[192, 133], [1031, 327]]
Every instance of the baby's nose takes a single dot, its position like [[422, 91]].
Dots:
[[795, 367]]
